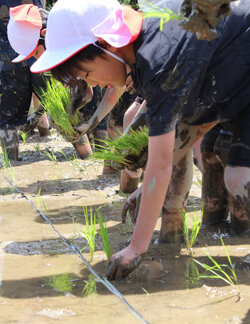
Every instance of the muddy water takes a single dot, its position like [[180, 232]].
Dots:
[[42, 280]]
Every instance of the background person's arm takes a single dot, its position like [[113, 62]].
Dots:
[[108, 102]]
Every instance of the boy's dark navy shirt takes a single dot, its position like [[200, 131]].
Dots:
[[7, 54], [187, 80]]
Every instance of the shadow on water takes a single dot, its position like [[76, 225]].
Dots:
[[246, 320], [71, 214], [67, 185], [152, 276], [61, 186]]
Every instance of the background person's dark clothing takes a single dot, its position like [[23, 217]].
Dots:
[[195, 82], [16, 87]]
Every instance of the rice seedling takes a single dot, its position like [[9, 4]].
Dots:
[[56, 102], [103, 231], [6, 162], [124, 151], [192, 274], [199, 182], [74, 225], [218, 271], [152, 11], [90, 286], [190, 236], [51, 155], [37, 148], [89, 230], [128, 227], [4, 158], [38, 198], [24, 136]]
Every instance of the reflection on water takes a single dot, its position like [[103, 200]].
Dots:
[[61, 283], [191, 274], [90, 286]]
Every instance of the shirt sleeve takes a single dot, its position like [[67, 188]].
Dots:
[[173, 89]]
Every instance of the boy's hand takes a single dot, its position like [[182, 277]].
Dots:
[[122, 263], [132, 206]]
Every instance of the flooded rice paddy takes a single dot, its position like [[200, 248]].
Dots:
[[42, 280]]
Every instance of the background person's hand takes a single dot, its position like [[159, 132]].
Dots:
[[122, 263], [83, 128], [132, 206], [33, 118]]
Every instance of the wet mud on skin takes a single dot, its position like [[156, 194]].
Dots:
[[42, 281]]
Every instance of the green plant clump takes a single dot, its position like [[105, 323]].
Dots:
[[90, 286], [190, 237], [218, 271], [125, 151], [56, 102], [103, 231], [152, 11], [89, 230]]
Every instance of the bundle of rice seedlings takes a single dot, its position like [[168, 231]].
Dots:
[[152, 11], [56, 102], [128, 151]]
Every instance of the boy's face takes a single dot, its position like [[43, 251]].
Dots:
[[103, 71]]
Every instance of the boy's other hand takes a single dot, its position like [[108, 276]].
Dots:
[[122, 263]]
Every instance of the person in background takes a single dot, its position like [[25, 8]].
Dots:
[[17, 85]]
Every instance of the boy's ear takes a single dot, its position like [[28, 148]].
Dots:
[[43, 32]]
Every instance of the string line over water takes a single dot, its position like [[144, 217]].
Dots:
[[99, 278]]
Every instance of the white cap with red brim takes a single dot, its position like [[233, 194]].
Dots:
[[73, 25], [23, 30]]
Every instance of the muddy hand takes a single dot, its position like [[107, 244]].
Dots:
[[132, 206], [122, 263], [33, 119]]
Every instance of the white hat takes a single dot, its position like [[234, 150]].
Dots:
[[23, 30], [75, 24]]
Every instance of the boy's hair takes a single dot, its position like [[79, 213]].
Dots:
[[44, 16], [64, 72]]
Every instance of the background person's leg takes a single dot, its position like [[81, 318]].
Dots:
[[237, 173], [10, 143], [237, 180], [181, 181], [83, 147], [214, 192], [15, 101]]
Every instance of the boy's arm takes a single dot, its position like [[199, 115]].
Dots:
[[108, 102], [156, 180]]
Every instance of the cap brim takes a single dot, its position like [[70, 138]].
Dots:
[[50, 59], [19, 58]]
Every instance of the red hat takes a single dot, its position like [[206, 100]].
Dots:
[[24, 30]]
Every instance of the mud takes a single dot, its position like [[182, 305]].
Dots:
[[42, 281], [203, 15]]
